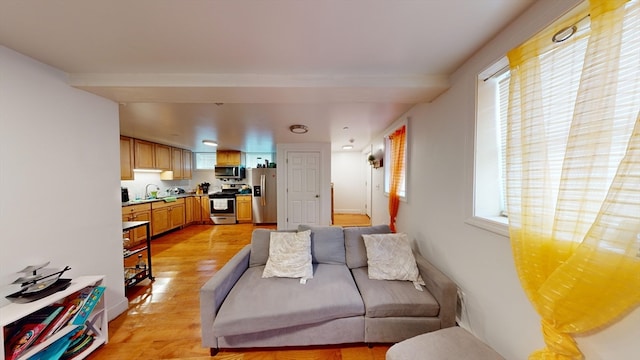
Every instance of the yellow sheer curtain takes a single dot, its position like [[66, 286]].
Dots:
[[573, 173], [398, 139]]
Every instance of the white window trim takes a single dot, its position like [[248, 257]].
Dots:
[[496, 224], [486, 217]]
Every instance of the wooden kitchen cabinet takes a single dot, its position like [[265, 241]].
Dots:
[[166, 216], [188, 210], [162, 156], [126, 158], [176, 163], [229, 158], [205, 210], [138, 212], [197, 209], [141, 154], [150, 155], [243, 208], [187, 161], [144, 154]]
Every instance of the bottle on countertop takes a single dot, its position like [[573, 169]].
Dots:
[[141, 264]]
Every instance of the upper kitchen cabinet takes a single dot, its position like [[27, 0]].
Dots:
[[150, 155], [176, 163], [187, 160], [126, 158], [145, 154], [180, 165], [229, 158], [163, 156]]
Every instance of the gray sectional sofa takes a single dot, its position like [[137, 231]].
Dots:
[[340, 304]]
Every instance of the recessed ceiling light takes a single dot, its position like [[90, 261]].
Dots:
[[298, 129], [210, 142], [347, 147]]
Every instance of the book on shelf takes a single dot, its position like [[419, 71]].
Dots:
[[78, 343], [89, 304], [29, 329], [57, 348]]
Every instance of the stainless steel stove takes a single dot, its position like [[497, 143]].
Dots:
[[222, 204]]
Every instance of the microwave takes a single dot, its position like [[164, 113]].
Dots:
[[229, 172]]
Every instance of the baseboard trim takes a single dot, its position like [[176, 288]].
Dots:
[[349, 211], [117, 309]]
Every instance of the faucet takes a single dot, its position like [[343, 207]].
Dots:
[[146, 190]]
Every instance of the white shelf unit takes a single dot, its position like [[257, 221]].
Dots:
[[97, 321]]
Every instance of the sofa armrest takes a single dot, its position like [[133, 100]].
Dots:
[[216, 289], [442, 288]]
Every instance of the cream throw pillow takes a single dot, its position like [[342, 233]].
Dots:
[[289, 255], [389, 257]]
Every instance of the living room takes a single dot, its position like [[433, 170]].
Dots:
[[59, 149]]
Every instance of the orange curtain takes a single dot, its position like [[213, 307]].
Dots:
[[397, 141]]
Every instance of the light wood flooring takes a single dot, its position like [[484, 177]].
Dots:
[[163, 320], [351, 220]]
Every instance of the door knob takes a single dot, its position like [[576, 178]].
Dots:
[[317, 196]]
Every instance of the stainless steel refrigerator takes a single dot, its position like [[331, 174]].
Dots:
[[263, 187]]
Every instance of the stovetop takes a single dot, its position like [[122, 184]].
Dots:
[[224, 193]]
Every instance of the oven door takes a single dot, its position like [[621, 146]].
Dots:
[[222, 206]]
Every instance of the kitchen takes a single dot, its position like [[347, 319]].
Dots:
[[157, 176]]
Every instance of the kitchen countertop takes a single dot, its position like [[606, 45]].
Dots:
[[179, 196], [146, 201]]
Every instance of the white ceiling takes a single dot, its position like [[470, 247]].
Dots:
[[330, 64]]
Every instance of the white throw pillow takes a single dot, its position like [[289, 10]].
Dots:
[[389, 257], [289, 255]]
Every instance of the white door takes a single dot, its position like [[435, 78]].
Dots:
[[303, 188]]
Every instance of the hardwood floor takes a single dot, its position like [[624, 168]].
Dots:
[[163, 320], [351, 220]]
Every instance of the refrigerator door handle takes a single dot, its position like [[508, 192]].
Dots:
[[263, 200]]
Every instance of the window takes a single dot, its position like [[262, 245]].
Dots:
[[489, 188], [388, 164], [255, 159], [560, 74], [205, 161]]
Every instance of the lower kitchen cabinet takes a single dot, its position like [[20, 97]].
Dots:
[[166, 216], [188, 209], [243, 208], [205, 210], [138, 212]]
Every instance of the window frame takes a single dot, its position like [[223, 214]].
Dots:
[[487, 207], [387, 160], [196, 160]]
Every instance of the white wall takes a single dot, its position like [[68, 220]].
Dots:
[[59, 172], [440, 190], [348, 175]]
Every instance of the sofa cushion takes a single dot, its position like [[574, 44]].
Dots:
[[255, 304], [389, 257], [388, 298], [327, 244], [260, 246], [289, 255], [356, 253]]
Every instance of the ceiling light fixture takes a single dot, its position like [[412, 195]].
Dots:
[[210, 142], [347, 147], [298, 129]]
